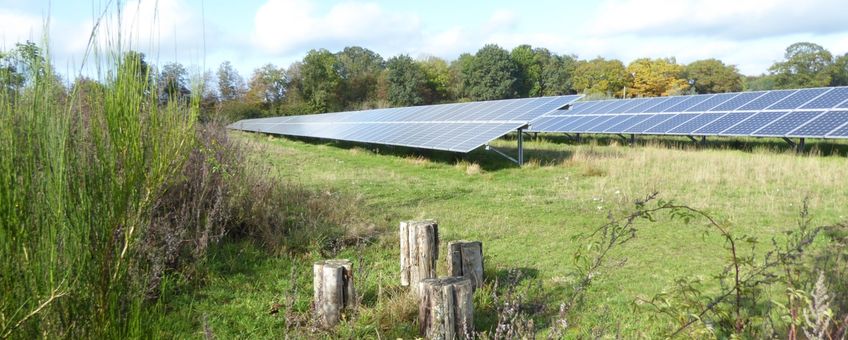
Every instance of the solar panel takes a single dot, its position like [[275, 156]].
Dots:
[[840, 132], [821, 125], [830, 99], [648, 123], [753, 123], [722, 123], [695, 123], [601, 106], [712, 102], [567, 121], [766, 100], [617, 108], [786, 124], [738, 101], [582, 107], [460, 127], [688, 103], [574, 124], [797, 99], [601, 123], [814, 112], [623, 125], [671, 123], [664, 105]]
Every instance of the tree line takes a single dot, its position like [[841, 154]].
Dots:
[[358, 78]]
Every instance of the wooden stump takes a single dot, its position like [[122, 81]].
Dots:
[[465, 258], [333, 290], [419, 250], [447, 308]]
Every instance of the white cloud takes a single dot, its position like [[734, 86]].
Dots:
[[738, 19], [285, 27], [18, 27]]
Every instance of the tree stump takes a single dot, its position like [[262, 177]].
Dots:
[[333, 290], [419, 250], [447, 308], [465, 258]]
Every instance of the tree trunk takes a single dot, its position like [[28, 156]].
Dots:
[[466, 259], [446, 310], [333, 290], [419, 250]]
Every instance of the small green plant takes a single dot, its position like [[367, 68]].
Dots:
[[739, 309]]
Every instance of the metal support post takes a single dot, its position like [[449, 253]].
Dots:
[[632, 139], [703, 141], [800, 148], [520, 146]]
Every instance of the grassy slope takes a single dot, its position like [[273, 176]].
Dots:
[[525, 218]]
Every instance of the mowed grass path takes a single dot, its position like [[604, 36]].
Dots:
[[526, 217]]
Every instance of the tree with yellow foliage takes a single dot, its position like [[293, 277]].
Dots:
[[656, 77]]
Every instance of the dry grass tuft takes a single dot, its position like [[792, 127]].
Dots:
[[358, 150], [470, 168], [397, 306], [417, 160], [473, 169]]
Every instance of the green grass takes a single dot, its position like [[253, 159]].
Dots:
[[526, 218]]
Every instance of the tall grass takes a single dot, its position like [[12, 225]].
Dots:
[[79, 172]]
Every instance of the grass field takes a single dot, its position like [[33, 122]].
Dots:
[[525, 217]]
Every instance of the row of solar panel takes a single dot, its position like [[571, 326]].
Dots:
[[525, 110], [812, 124], [449, 136], [804, 99]]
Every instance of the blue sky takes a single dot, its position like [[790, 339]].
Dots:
[[751, 34]]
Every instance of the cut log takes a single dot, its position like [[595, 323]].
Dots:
[[446, 310], [333, 290], [465, 258], [419, 250]]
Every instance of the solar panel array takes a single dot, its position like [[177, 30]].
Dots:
[[804, 113], [460, 127]]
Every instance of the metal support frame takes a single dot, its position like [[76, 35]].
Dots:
[[703, 141], [692, 139], [799, 147], [631, 141], [520, 160], [790, 142]]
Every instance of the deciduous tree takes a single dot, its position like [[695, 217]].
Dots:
[[805, 65], [360, 70], [656, 77], [600, 77], [438, 79], [267, 88], [407, 81], [174, 82], [840, 71], [230, 83], [493, 74], [321, 81], [713, 76]]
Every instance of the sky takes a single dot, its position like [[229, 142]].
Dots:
[[751, 34]]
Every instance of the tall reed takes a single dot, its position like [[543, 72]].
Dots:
[[79, 171]]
